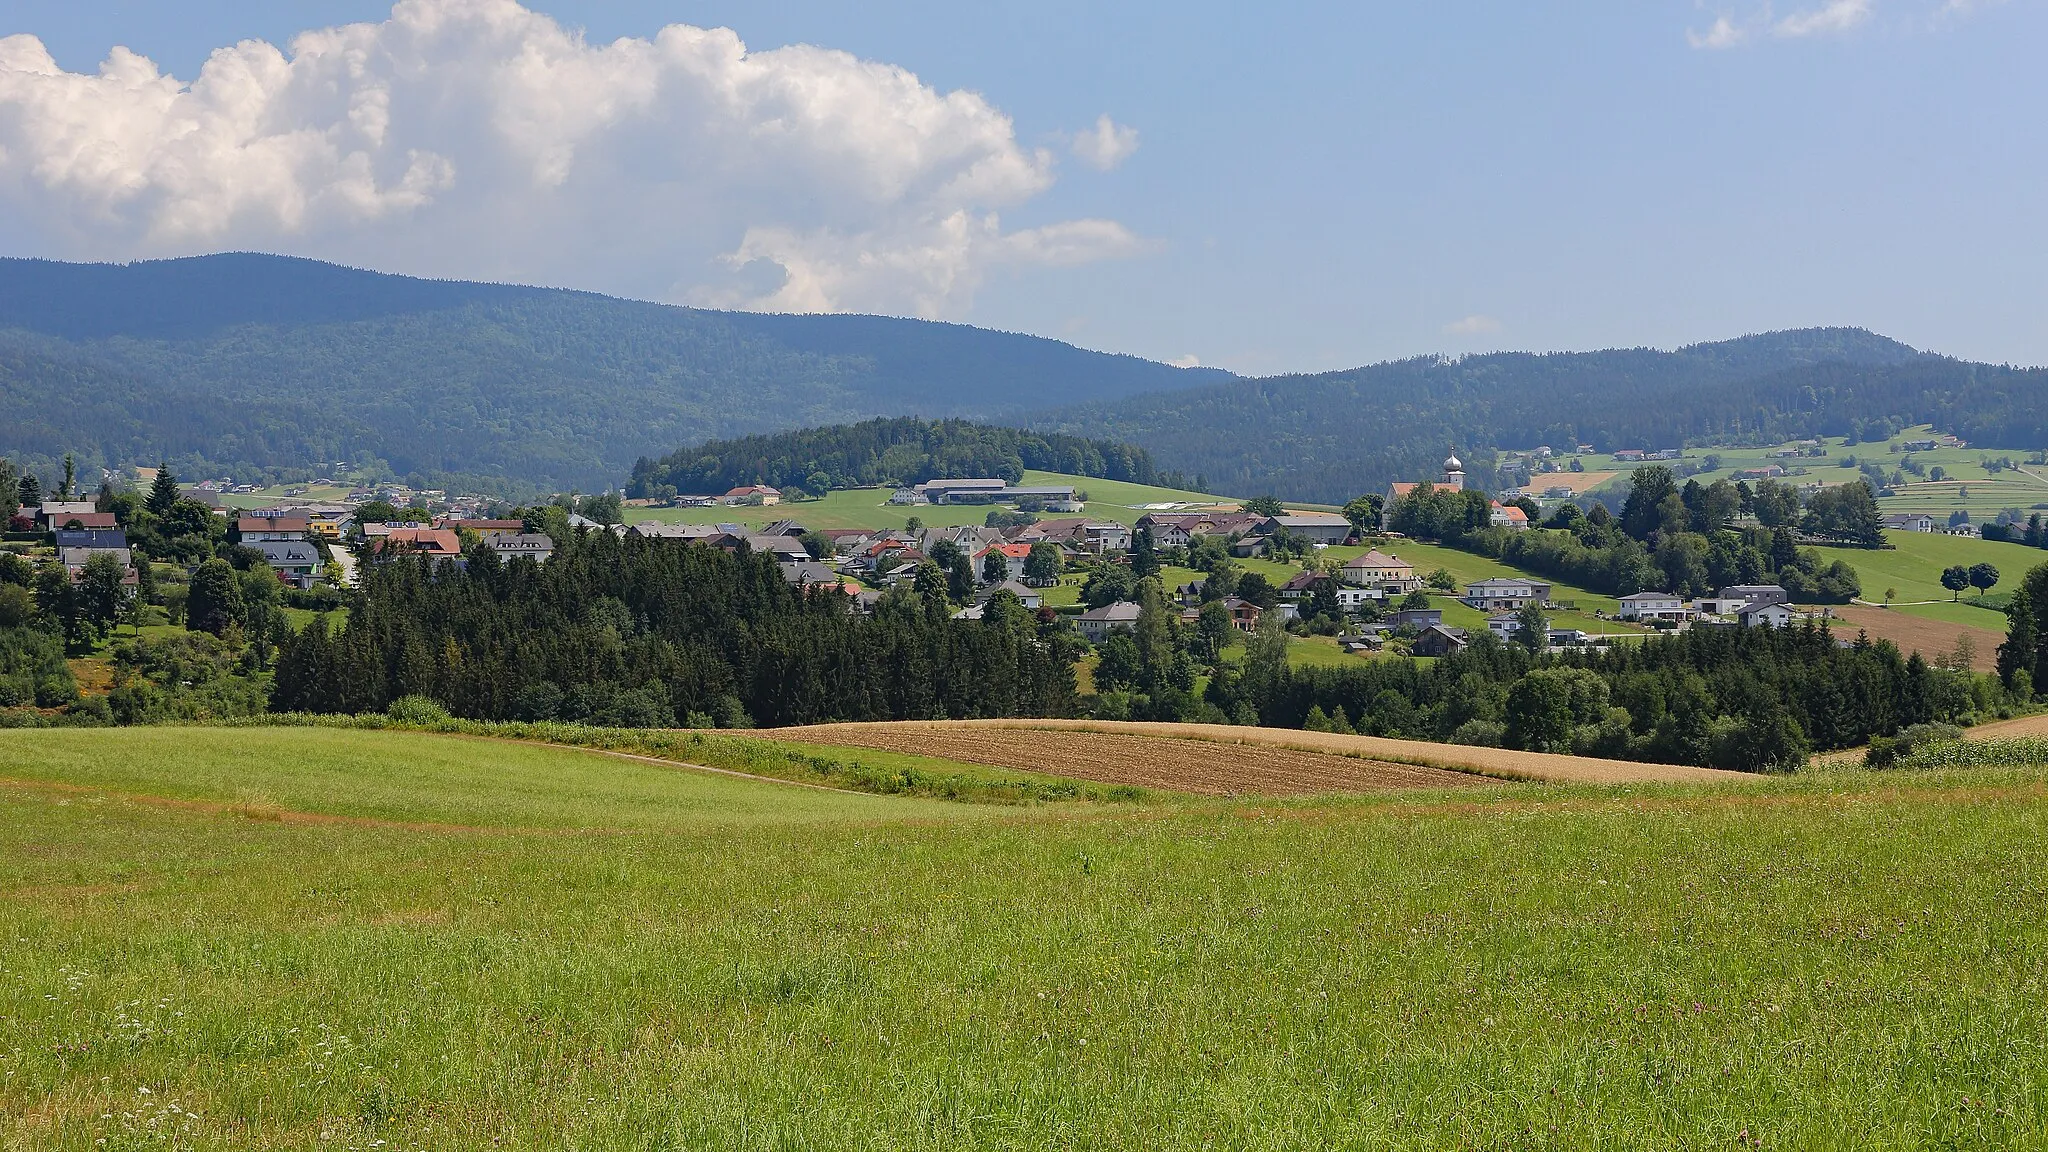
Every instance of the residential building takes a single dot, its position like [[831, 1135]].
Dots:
[[434, 543], [1014, 556], [1383, 571], [804, 573], [534, 546], [1508, 516], [688, 533], [1646, 606], [1504, 594], [1918, 445], [1766, 614], [92, 539], [486, 528], [752, 494], [1031, 597], [1504, 625], [1910, 522], [54, 514], [256, 529], [295, 560], [1243, 613], [1730, 601], [1096, 623], [74, 561], [1417, 618]]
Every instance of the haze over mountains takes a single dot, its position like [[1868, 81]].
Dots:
[[258, 364]]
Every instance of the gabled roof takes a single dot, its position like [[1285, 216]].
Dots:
[[1121, 612], [1377, 559]]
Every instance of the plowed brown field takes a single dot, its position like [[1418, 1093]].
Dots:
[[1218, 759]]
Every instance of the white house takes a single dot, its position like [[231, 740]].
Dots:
[[1382, 572], [1504, 594], [1508, 516], [1653, 606], [1096, 623], [1766, 614], [535, 546], [1909, 522]]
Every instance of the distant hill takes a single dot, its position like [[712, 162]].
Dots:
[[902, 450], [1331, 436], [263, 365]]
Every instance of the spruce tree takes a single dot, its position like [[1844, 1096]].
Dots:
[[163, 491]]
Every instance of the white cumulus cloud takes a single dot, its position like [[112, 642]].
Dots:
[[1831, 17], [1107, 144], [477, 138], [1722, 33]]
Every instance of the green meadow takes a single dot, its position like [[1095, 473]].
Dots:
[[301, 939], [870, 507]]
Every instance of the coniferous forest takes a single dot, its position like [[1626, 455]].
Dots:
[[621, 631], [905, 450]]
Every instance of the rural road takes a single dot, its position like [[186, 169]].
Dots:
[[347, 560]]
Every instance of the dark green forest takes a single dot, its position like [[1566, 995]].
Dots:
[[263, 367], [904, 450], [1328, 437], [626, 632]]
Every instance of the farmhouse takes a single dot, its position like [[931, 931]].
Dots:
[[1508, 516], [752, 494], [1383, 571], [1504, 594], [1654, 606]]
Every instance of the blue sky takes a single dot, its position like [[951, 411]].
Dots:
[[1312, 186]]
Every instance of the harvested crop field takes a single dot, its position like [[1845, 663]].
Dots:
[[1930, 638], [1202, 767], [1220, 759]]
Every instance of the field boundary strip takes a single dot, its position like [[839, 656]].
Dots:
[[1493, 763]]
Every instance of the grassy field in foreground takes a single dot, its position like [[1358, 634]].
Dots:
[[1851, 961]]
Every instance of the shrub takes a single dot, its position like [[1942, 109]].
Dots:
[[416, 710], [1886, 752]]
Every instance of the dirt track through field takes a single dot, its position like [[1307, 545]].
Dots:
[[1219, 759], [1198, 766]]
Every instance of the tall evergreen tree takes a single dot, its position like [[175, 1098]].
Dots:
[[215, 599], [163, 491]]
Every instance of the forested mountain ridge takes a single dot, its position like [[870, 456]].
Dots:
[[1333, 435], [255, 364], [902, 450]]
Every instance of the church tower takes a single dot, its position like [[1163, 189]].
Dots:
[[1454, 474]]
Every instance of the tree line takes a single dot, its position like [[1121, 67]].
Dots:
[[1669, 537], [636, 633]]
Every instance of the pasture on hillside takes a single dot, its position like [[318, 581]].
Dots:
[[277, 938], [870, 507]]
